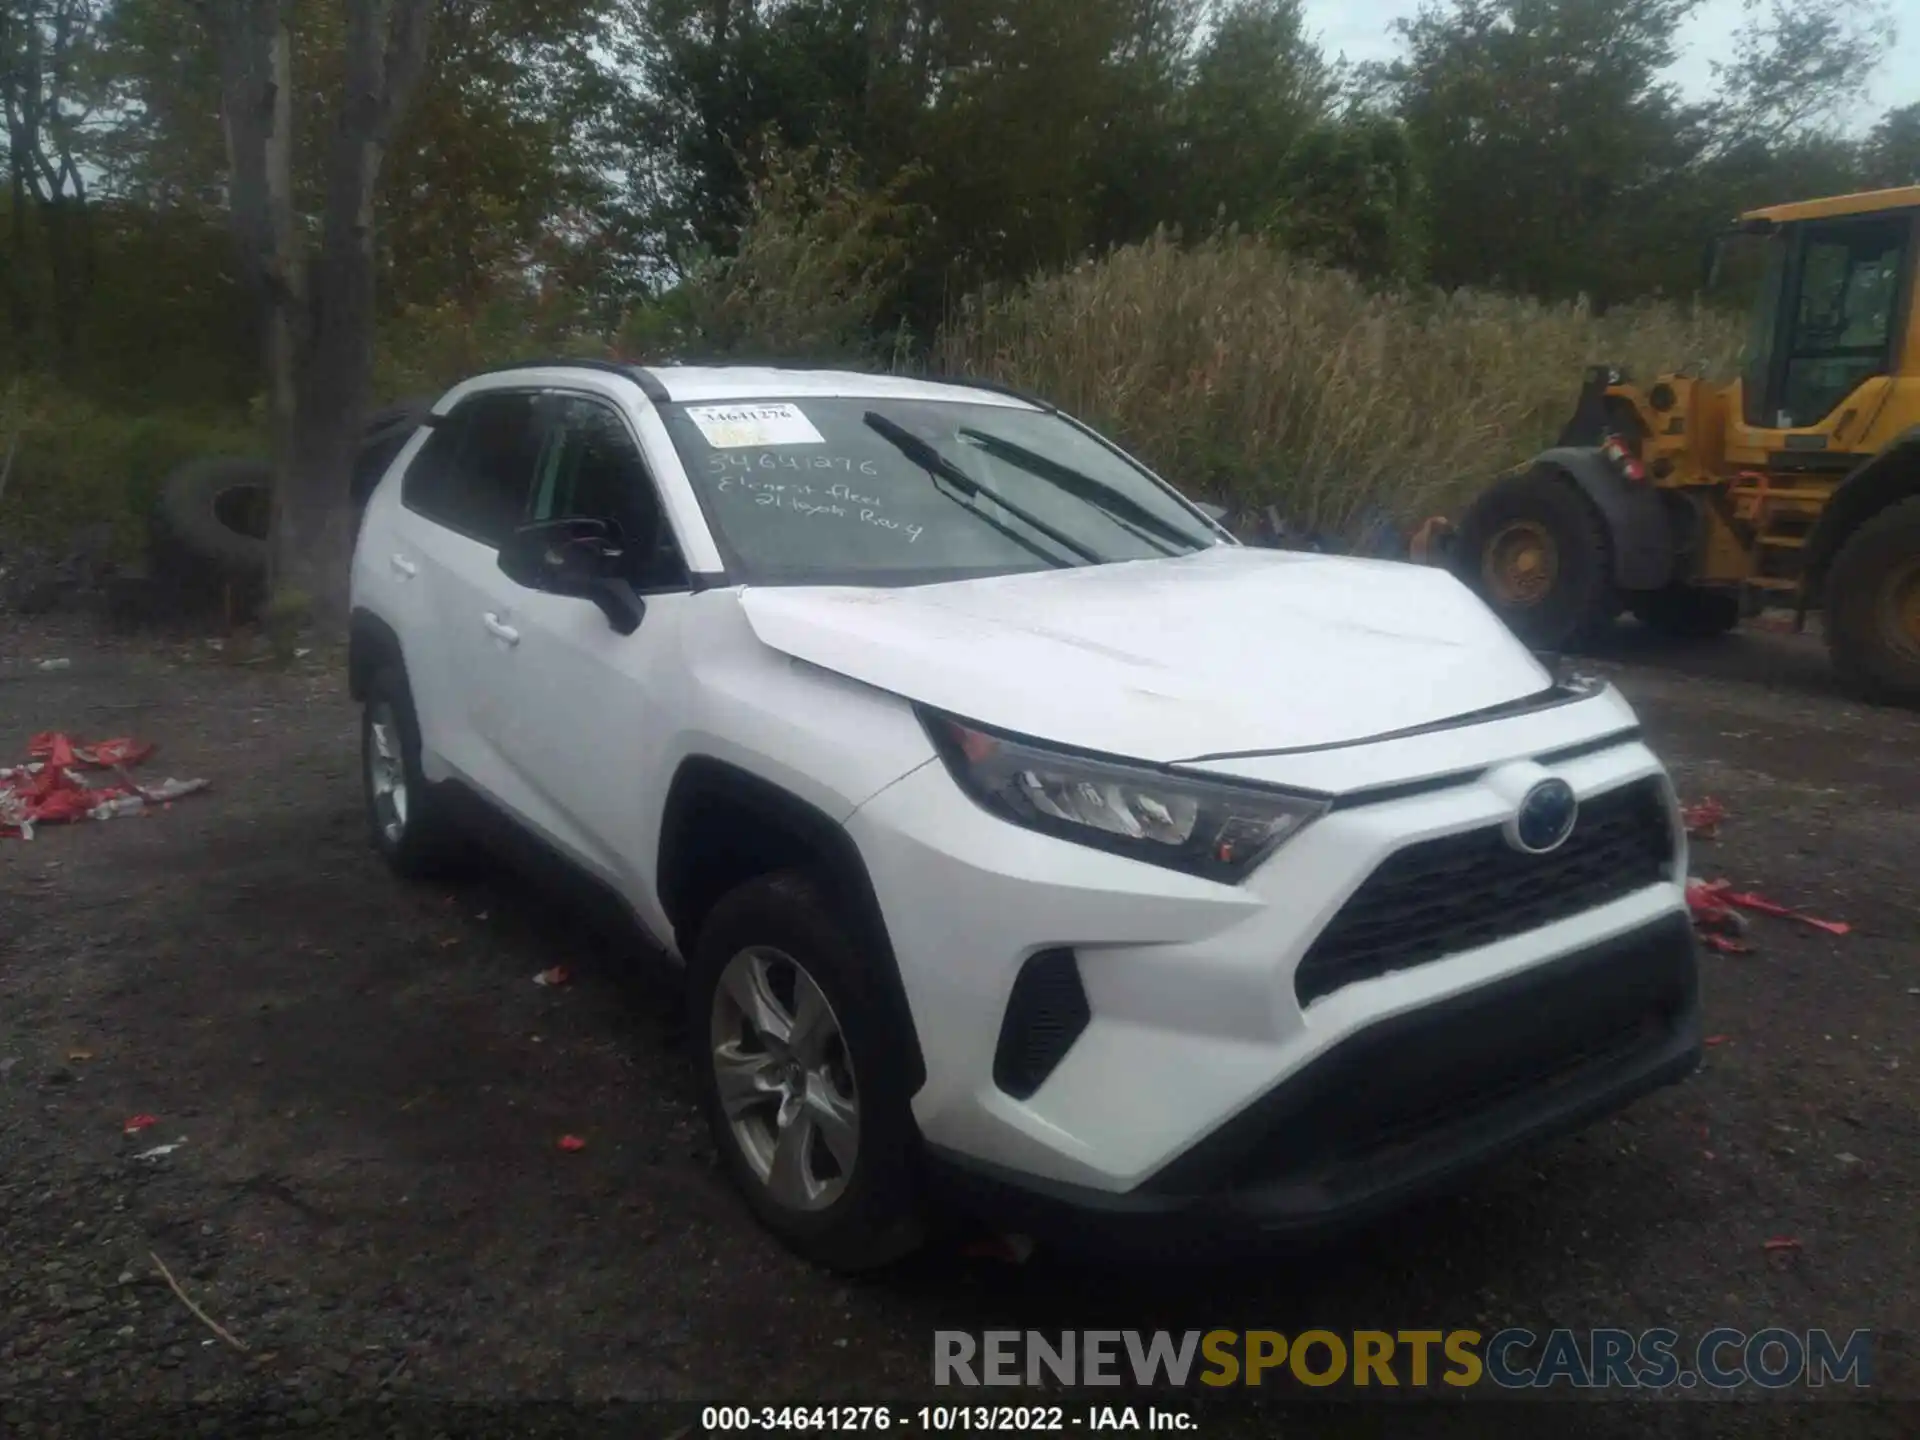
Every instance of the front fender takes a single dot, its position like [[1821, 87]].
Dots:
[[1890, 476], [1642, 534]]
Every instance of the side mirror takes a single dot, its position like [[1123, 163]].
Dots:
[[578, 558]]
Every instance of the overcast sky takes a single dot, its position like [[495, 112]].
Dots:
[[1360, 28]]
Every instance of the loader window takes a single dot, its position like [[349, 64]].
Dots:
[[1757, 372], [1843, 319]]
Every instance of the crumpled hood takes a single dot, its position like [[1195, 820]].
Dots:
[[1228, 650]]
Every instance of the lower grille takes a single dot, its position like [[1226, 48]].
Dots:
[[1441, 897], [1045, 1014]]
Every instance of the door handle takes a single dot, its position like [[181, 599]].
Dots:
[[500, 630], [403, 567]]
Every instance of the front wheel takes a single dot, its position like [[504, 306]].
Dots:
[[1537, 551], [1873, 606], [801, 1088]]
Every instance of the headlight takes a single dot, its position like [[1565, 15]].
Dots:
[[1203, 827]]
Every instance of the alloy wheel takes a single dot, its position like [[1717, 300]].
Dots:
[[785, 1078]]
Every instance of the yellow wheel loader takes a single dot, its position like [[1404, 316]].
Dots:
[[1692, 505]]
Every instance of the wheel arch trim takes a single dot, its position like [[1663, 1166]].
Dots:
[[1891, 476], [371, 642], [841, 868], [1636, 519]]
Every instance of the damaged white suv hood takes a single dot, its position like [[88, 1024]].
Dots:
[[1230, 650]]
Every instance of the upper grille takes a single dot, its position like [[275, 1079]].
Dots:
[[1440, 897]]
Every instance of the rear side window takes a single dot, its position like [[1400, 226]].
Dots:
[[474, 474]]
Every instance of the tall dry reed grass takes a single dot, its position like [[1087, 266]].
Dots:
[[1244, 375]]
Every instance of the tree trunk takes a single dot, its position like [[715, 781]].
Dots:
[[313, 532], [13, 113], [19, 295], [319, 316]]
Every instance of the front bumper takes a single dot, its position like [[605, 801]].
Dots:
[[1200, 998], [1399, 1108]]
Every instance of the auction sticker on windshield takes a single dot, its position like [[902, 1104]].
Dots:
[[740, 427]]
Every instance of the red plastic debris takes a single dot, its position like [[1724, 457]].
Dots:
[[139, 1123], [1703, 820], [1782, 1242], [57, 785], [107, 755], [1747, 900], [558, 975], [1715, 905], [1707, 899], [1725, 944], [572, 1142], [1713, 1040]]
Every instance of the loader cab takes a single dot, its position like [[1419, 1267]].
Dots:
[[1831, 307]]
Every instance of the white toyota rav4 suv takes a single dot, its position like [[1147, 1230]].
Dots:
[[1028, 841]]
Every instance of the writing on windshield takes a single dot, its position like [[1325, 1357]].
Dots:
[[838, 501], [841, 490]]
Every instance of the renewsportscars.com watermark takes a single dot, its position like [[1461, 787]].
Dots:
[[1513, 1359]]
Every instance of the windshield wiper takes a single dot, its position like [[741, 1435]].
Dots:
[[973, 508], [938, 466], [1122, 509]]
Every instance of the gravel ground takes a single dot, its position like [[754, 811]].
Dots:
[[367, 1092]]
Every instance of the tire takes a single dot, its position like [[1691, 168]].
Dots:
[[1542, 510], [413, 834], [1687, 612], [214, 511], [1873, 606], [851, 1205]]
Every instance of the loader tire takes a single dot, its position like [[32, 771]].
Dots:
[[1873, 606], [1687, 612], [213, 512], [1539, 554]]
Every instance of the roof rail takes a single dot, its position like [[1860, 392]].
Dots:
[[751, 359], [652, 387], [649, 385], [965, 382], [558, 362]]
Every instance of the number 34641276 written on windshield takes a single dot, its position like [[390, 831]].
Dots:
[[766, 460]]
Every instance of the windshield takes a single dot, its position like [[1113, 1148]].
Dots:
[[891, 492]]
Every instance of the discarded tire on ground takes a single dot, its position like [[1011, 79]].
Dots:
[[210, 533], [210, 524], [217, 510]]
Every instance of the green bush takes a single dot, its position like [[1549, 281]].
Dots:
[[428, 348], [78, 465], [819, 262], [1246, 375]]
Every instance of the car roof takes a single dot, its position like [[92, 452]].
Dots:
[[715, 384], [701, 383]]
